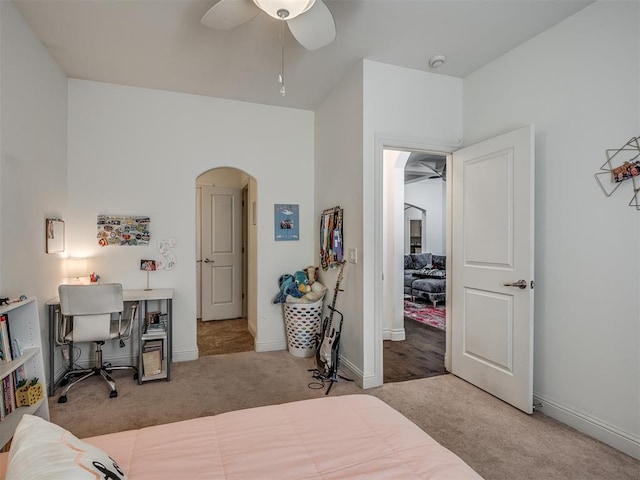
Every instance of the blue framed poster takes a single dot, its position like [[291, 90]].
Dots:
[[286, 222]]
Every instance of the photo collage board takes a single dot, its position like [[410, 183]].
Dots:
[[123, 230]]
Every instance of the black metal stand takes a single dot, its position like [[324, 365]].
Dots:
[[333, 373]]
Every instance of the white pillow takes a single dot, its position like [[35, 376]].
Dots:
[[43, 450]]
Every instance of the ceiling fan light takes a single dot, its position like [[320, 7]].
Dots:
[[275, 8]]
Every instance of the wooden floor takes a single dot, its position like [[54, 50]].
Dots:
[[420, 355], [224, 336]]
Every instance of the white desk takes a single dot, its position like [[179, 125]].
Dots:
[[142, 296]]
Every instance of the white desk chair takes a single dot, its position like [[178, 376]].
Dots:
[[93, 313]]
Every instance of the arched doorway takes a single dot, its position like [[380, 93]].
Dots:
[[224, 253]]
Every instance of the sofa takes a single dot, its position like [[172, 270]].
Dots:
[[424, 277]]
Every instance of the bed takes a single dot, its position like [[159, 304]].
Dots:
[[342, 437]]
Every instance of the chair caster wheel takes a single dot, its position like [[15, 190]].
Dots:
[[64, 382], [62, 399], [113, 394], [135, 376]]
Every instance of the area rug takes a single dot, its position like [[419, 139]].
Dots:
[[424, 313]]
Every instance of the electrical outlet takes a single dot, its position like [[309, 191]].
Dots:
[[65, 353], [353, 255]]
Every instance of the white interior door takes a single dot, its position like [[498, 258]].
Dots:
[[221, 253], [493, 244]]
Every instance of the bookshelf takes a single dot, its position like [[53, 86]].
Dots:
[[24, 325], [155, 336]]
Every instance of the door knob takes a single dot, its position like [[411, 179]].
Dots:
[[206, 260], [520, 284]]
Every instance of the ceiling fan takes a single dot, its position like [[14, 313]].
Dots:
[[310, 21], [425, 165]]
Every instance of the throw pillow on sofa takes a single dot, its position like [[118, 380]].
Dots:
[[421, 260], [408, 262], [440, 262], [433, 273]]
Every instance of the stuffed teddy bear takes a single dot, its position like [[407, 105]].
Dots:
[[288, 286], [312, 274]]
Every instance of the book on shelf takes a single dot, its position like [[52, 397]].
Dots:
[[9, 394], [155, 328], [2, 407], [152, 362], [152, 355], [150, 345], [16, 348], [5, 340]]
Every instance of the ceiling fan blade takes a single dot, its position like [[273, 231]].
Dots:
[[315, 28], [228, 14]]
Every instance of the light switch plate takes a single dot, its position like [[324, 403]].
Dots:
[[353, 255]]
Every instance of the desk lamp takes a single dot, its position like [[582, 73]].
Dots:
[[76, 268]]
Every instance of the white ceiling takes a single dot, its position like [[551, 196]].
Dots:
[[161, 44]]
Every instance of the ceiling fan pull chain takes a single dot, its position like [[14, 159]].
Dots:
[[281, 76]]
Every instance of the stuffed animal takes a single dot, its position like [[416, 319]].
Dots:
[[288, 286], [317, 292], [312, 274], [302, 281]]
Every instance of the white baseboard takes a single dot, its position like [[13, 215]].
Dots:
[[363, 380], [184, 355], [626, 442], [393, 334], [271, 346], [351, 371]]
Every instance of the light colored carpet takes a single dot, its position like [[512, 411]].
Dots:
[[498, 441]]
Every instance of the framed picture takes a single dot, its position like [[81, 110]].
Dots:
[[286, 222], [123, 230], [148, 265], [54, 235], [626, 171]]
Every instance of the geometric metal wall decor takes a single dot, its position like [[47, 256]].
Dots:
[[622, 164]]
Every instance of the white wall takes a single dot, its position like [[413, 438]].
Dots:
[[374, 101], [405, 109], [137, 151], [33, 170], [579, 84], [338, 181]]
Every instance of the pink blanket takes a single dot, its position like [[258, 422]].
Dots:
[[344, 437]]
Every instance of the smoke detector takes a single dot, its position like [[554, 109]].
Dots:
[[437, 61]]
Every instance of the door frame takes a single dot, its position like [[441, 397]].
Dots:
[[234, 258], [394, 142], [248, 225]]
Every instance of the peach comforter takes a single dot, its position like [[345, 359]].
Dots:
[[344, 437]]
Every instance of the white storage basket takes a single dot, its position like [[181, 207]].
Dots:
[[302, 321]]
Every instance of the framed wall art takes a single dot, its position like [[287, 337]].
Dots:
[[123, 230], [286, 222]]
